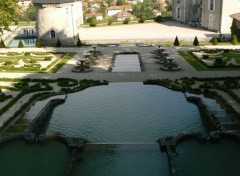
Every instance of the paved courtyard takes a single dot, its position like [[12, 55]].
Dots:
[[166, 31]]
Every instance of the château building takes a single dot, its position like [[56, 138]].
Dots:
[[58, 19], [210, 14]]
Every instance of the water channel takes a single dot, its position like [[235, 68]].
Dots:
[[122, 121]]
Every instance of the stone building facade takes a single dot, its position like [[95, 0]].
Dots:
[[210, 14], [58, 19]]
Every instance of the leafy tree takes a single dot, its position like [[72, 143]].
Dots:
[[176, 42], [102, 9], [214, 41], [234, 40], [2, 44], [7, 13], [121, 2], [30, 14], [109, 2], [126, 21], [59, 44], [169, 5], [142, 18], [196, 42], [20, 44]]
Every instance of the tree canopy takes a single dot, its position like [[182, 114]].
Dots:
[[7, 13]]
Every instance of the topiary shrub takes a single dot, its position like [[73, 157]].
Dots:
[[93, 22], [39, 43], [214, 41], [234, 40], [59, 44], [205, 56], [176, 42], [142, 19], [20, 44], [48, 58], [126, 21], [196, 42], [79, 43], [219, 62], [2, 44]]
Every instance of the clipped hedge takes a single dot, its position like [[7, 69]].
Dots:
[[67, 82]]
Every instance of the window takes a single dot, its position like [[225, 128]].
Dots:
[[53, 34], [211, 5]]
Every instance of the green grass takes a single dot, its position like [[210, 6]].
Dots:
[[62, 62], [193, 62]]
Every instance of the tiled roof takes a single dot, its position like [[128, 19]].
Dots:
[[52, 1], [236, 16], [93, 14], [123, 14]]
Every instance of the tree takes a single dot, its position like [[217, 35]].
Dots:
[[59, 44], [214, 41], [7, 13], [234, 40], [2, 44], [102, 9], [30, 14], [196, 42], [20, 44], [176, 42], [121, 2]]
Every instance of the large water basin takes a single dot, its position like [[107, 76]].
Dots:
[[19, 159], [119, 160], [209, 159], [125, 113]]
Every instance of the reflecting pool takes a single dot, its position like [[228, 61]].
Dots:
[[26, 42], [125, 113]]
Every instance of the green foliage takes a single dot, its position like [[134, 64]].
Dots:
[[30, 14], [39, 43], [176, 42], [79, 43], [93, 22], [20, 44], [2, 44], [234, 40], [7, 14], [48, 58], [196, 42], [158, 19], [59, 44], [67, 82], [126, 21], [110, 20], [142, 18], [214, 41], [121, 2]]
